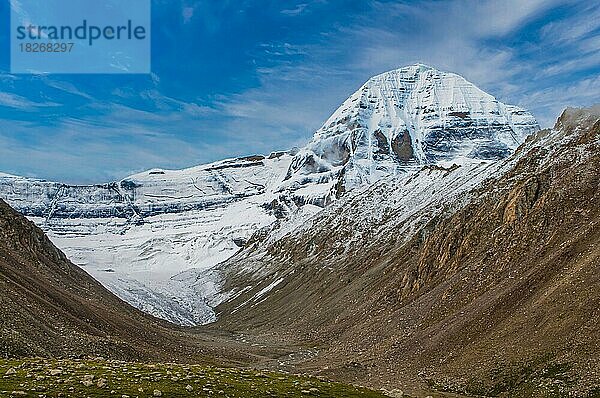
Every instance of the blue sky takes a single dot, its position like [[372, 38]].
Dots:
[[241, 77]]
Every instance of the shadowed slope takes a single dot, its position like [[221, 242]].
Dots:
[[51, 307]]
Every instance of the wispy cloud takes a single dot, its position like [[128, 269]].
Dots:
[[187, 14], [299, 9], [21, 103], [513, 49]]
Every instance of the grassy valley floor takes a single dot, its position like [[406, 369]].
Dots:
[[102, 378]]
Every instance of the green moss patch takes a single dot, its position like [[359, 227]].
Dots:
[[100, 378]]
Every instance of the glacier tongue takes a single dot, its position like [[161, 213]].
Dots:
[[154, 238], [139, 236]]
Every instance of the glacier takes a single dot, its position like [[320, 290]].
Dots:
[[138, 236]]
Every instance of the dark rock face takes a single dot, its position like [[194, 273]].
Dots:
[[240, 242], [440, 143], [402, 147]]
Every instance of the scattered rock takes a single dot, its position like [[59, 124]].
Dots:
[[395, 393]]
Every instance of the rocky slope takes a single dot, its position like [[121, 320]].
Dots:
[[154, 238], [49, 305], [484, 283]]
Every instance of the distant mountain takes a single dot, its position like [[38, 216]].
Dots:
[[153, 238], [480, 278]]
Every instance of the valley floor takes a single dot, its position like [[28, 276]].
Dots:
[[102, 378]]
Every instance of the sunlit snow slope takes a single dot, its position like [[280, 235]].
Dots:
[[154, 238]]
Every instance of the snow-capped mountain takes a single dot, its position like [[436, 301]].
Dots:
[[153, 238], [405, 118]]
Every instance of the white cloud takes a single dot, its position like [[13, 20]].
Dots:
[[303, 83], [583, 93], [563, 31], [299, 9], [466, 37], [21, 103], [187, 14]]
